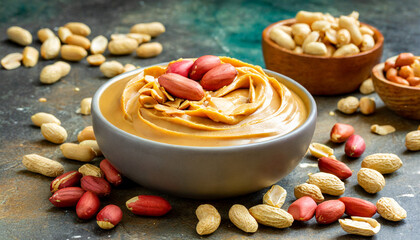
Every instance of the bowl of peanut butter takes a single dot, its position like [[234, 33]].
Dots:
[[210, 127]]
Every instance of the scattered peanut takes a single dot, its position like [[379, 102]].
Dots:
[[73, 53], [275, 196], [19, 35], [90, 170], [282, 39], [360, 226], [50, 48], [78, 28], [208, 219], [111, 68], [148, 50], [153, 29], [78, 41], [382, 130], [96, 60], [367, 105], [30, 56], [82, 153], [85, 106], [98, 45], [367, 86], [40, 118], [319, 150], [310, 190], [348, 105], [271, 216], [382, 162], [370, 180], [54, 72], [122, 46], [389, 209], [11, 61], [242, 219], [327, 183], [412, 140], [64, 33], [45, 166], [94, 145], [44, 34], [86, 134], [54, 132]]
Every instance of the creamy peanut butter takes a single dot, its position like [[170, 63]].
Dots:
[[253, 108]]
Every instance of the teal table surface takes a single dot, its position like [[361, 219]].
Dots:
[[193, 28]]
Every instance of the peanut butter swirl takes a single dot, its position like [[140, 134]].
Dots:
[[253, 108]]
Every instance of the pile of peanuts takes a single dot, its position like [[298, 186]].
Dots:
[[73, 45], [404, 70], [321, 34]]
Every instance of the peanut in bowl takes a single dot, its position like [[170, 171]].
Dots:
[[322, 74], [198, 165]]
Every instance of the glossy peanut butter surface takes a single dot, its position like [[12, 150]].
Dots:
[[254, 108]]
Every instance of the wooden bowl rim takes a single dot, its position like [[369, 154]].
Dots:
[[377, 73], [266, 38]]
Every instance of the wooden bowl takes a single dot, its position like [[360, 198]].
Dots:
[[318, 74], [404, 100]]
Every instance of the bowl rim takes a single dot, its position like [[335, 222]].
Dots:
[[312, 114], [377, 72], [266, 38]]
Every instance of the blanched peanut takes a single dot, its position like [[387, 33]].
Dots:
[[30, 56], [63, 33], [282, 39], [312, 37], [52, 73], [111, 69], [82, 153], [298, 50], [78, 41], [94, 145], [78, 28], [86, 134], [148, 50], [366, 30], [85, 106], [96, 60], [50, 48], [309, 17], [343, 37], [40, 118], [286, 29], [346, 50], [73, 53], [153, 29], [122, 46], [19, 35], [330, 50], [98, 45], [139, 37], [321, 25], [331, 36], [128, 67], [315, 48], [354, 15], [367, 43], [300, 31], [11, 61], [349, 23], [44, 34]]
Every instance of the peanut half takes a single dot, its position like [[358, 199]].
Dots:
[[63, 33], [90, 170], [242, 219], [382, 130], [85, 106], [45, 166], [319, 150], [30, 56], [96, 59], [275, 196], [360, 226], [208, 219], [54, 132], [12, 61]]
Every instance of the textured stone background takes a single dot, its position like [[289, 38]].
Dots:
[[194, 28]]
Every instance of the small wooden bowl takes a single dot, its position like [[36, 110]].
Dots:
[[404, 100], [318, 74]]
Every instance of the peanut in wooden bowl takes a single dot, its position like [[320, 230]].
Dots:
[[321, 75], [403, 100]]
